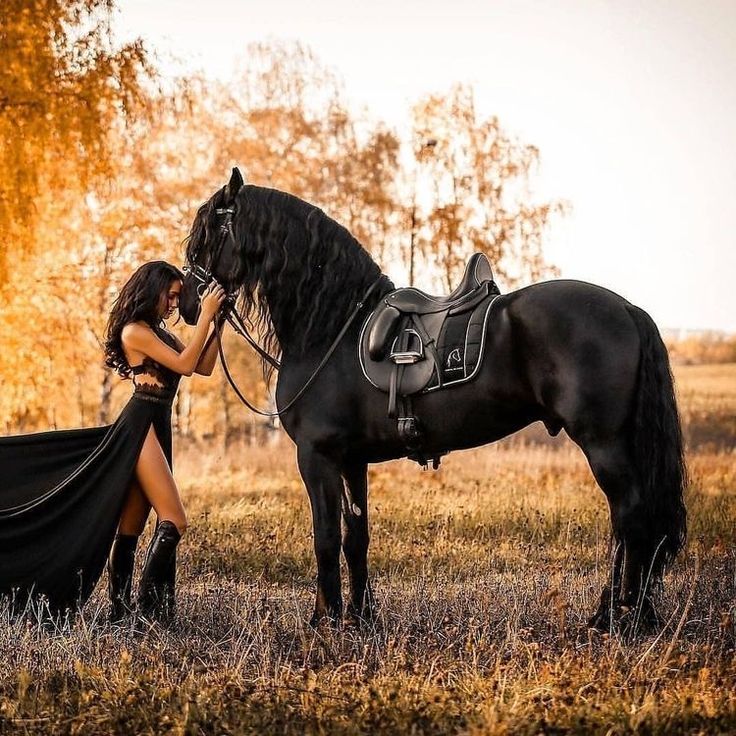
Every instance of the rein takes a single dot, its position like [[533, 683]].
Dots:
[[316, 371], [236, 322], [204, 277]]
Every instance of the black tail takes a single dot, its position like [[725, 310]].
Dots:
[[658, 446]]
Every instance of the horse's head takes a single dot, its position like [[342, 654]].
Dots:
[[296, 272], [212, 249]]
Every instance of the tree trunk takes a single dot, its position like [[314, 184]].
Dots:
[[105, 395]]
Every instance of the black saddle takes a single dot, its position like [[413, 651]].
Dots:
[[415, 342], [477, 273], [474, 287]]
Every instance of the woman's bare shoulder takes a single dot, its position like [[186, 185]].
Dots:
[[136, 332]]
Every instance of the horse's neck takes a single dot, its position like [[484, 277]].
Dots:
[[283, 319]]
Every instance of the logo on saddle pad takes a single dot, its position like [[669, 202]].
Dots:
[[454, 359]]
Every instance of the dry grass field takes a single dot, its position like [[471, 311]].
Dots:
[[485, 573]]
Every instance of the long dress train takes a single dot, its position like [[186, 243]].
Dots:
[[62, 493]]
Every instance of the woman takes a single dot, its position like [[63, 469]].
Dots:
[[64, 494]]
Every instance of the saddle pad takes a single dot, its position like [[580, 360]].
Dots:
[[460, 345]]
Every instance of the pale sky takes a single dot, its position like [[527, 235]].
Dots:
[[631, 103]]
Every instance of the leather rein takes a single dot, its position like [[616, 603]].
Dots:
[[204, 278]]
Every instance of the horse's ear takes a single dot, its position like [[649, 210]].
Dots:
[[234, 185]]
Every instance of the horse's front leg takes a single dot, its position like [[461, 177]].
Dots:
[[321, 475], [355, 541]]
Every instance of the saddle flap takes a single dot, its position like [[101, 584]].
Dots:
[[411, 377], [382, 329]]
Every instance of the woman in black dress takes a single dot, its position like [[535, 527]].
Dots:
[[64, 494]]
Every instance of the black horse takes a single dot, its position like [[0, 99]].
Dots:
[[573, 355]]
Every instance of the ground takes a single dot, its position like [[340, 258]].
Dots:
[[485, 574]]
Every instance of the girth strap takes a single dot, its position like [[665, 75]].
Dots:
[[429, 345], [397, 374], [400, 406], [411, 434]]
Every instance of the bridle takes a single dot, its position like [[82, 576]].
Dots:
[[204, 277], [203, 274]]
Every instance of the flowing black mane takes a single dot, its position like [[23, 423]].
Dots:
[[300, 272]]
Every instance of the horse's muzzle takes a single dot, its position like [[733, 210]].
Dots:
[[189, 299]]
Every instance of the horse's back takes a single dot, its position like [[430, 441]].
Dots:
[[566, 296], [577, 348], [558, 312]]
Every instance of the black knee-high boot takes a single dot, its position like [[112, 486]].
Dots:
[[156, 597], [120, 575], [170, 586]]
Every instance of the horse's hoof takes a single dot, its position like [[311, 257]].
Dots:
[[321, 618], [641, 619], [363, 616], [599, 624], [601, 621], [625, 620]]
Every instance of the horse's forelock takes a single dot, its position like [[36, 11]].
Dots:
[[202, 226]]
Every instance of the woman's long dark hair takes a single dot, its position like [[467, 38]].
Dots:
[[138, 301]]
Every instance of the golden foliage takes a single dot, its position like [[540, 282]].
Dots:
[[109, 190], [62, 86], [476, 196]]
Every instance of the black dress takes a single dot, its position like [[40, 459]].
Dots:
[[62, 493]]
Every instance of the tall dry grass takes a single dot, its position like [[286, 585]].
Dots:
[[485, 573]]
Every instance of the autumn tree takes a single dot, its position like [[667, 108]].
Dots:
[[470, 192], [286, 121], [62, 85], [95, 218], [165, 164]]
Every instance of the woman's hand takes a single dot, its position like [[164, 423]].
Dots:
[[212, 299]]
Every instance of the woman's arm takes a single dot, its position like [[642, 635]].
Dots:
[[142, 339], [208, 358]]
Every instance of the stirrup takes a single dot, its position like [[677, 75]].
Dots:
[[414, 351]]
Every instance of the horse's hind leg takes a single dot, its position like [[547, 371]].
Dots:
[[356, 538], [324, 483], [626, 602]]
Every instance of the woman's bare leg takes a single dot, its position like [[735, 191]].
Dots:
[[122, 553], [135, 511], [153, 486], [158, 486]]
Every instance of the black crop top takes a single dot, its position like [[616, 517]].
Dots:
[[165, 381]]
